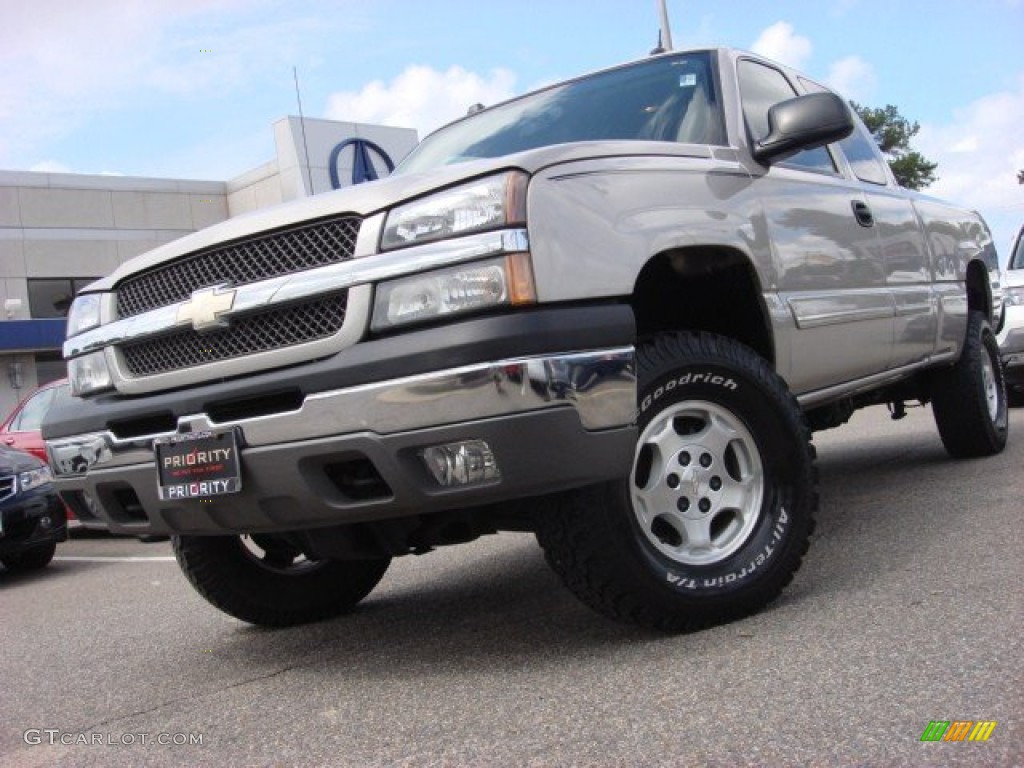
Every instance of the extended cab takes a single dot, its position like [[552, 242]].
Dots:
[[611, 312]]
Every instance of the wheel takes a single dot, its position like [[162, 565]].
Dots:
[[718, 510], [969, 398], [31, 559], [263, 579]]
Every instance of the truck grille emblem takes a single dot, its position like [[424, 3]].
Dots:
[[205, 308]]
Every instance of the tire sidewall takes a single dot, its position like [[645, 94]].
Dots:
[[988, 347], [782, 522]]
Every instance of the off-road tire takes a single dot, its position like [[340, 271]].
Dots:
[[969, 399], [624, 547], [31, 559], [280, 588]]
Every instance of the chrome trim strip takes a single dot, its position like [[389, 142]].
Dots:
[[600, 385], [816, 311], [313, 282], [820, 396]]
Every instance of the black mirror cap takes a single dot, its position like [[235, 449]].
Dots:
[[804, 122]]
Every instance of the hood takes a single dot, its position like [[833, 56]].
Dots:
[[13, 461], [1013, 278], [373, 197]]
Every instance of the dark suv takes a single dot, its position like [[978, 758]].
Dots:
[[32, 517]]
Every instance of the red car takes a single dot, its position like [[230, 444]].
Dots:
[[21, 429]]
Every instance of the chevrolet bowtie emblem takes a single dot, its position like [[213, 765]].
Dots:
[[205, 308]]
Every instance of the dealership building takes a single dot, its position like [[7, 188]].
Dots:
[[60, 231]]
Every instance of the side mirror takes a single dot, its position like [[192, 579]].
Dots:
[[804, 122]]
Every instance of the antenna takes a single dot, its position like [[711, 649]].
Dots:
[[665, 34], [659, 48], [302, 123]]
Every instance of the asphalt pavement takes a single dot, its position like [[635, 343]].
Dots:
[[908, 610]]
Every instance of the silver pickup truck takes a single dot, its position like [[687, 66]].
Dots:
[[611, 312]]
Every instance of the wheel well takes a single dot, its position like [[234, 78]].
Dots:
[[703, 289], [979, 291]]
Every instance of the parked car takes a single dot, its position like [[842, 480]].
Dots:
[[1011, 338], [32, 518], [21, 431]]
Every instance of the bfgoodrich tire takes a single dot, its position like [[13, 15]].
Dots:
[[262, 579], [718, 510], [969, 399]]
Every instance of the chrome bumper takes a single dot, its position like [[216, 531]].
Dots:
[[600, 386]]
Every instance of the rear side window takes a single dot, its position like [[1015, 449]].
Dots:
[[761, 88], [862, 154], [859, 146]]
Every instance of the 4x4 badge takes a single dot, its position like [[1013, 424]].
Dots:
[[205, 308]]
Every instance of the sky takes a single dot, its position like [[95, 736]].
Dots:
[[190, 88]]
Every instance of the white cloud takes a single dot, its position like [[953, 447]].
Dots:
[[421, 97], [979, 154], [70, 59], [854, 78], [781, 43], [66, 61], [50, 166]]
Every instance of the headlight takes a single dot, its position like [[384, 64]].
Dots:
[[34, 478], [89, 373], [504, 281], [490, 203], [83, 314], [1014, 297]]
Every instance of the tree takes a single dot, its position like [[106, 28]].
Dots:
[[893, 132]]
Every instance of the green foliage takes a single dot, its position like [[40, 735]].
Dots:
[[893, 132]]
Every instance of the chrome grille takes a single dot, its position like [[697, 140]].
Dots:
[[274, 329], [245, 261]]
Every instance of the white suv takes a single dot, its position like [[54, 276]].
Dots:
[[1011, 339]]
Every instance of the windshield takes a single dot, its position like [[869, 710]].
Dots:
[[663, 99]]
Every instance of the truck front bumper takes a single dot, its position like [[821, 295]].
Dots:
[[355, 454]]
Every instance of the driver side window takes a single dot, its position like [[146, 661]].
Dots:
[[761, 88]]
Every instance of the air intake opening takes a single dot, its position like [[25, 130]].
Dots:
[[254, 407], [153, 424], [126, 506], [358, 480]]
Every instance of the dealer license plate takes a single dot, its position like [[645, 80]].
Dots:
[[196, 465]]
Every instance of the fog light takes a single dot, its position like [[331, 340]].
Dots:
[[465, 463]]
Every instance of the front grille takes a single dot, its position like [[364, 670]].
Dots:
[[245, 261], [262, 332]]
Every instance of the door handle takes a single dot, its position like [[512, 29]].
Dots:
[[863, 214], [9, 440]]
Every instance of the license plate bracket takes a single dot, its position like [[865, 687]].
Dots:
[[197, 465]]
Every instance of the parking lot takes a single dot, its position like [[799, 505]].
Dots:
[[908, 610]]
